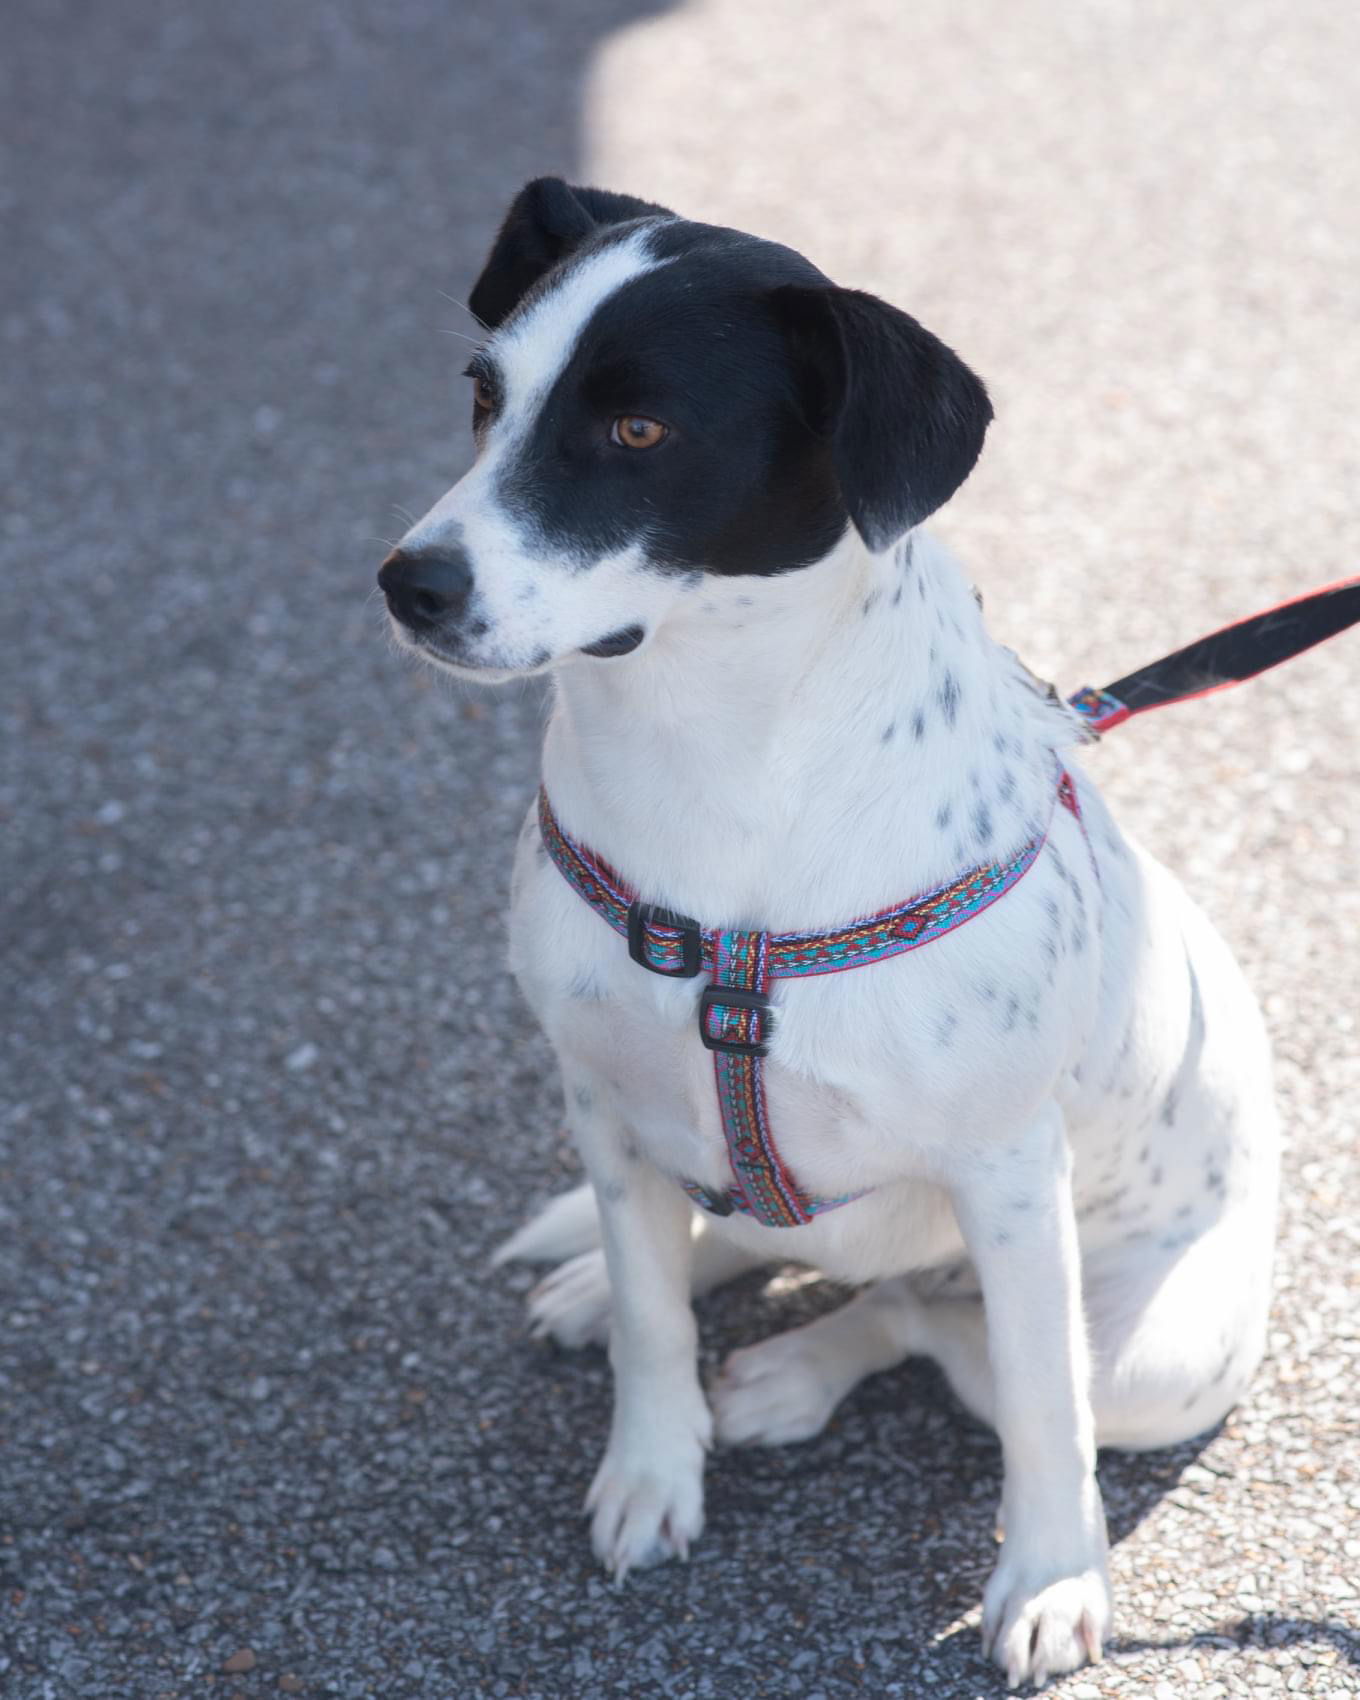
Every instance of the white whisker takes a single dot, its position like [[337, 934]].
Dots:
[[453, 299]]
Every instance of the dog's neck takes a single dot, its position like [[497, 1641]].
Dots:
[[796, 751]]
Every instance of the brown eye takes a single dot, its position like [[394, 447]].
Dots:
[[482, 394], [631, 433]]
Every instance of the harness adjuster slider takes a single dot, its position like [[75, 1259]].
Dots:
[[736, 997], [641, 916]]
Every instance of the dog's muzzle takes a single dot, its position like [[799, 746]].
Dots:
[[426, 590]]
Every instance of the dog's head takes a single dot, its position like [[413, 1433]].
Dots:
[[658, 400]]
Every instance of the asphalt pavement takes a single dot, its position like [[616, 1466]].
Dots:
[[268, 1098]]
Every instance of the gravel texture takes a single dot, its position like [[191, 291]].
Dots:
[[269, 1098]]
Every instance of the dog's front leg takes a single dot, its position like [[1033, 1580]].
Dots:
[[1046, 1608], [647, 1499]]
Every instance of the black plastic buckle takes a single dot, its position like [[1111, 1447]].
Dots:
[[736, 997], [644, 915]]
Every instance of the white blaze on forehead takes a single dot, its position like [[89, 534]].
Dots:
[[531, 351], [535, 346]]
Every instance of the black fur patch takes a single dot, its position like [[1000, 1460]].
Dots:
[[793, 407]]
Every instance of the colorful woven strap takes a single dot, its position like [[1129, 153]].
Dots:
[[1099, 709], [736, 1018]]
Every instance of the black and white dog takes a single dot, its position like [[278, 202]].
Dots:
[[699, 476]]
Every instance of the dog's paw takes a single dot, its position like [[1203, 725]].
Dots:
[[646, 1503], [572, 1304], [1035, 1627], [779, 1391]]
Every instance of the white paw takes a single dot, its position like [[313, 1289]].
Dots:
[[774, 1393], [572, 1304], [1035, 1627], [646, 1503]]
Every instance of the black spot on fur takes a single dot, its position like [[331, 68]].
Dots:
[[918, 726], [949, 697], [886, 736], [1104, 1204], [583, 1098], [943, 815], [869, 603], [982, 826], [897, 596]]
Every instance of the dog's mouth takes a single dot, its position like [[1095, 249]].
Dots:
[[455, 657], [464, 666], [622, 642]]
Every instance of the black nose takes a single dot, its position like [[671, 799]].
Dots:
[[424, 589]]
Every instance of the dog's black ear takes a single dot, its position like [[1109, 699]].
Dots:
[[547, 219], [904, 416]]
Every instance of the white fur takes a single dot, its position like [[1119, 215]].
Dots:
[[1063, 1108]]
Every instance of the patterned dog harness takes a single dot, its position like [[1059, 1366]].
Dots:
[[735, 1015]]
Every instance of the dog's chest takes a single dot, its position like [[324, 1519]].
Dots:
[[872, 1073]]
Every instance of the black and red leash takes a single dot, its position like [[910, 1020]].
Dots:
[[1225, 657]]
